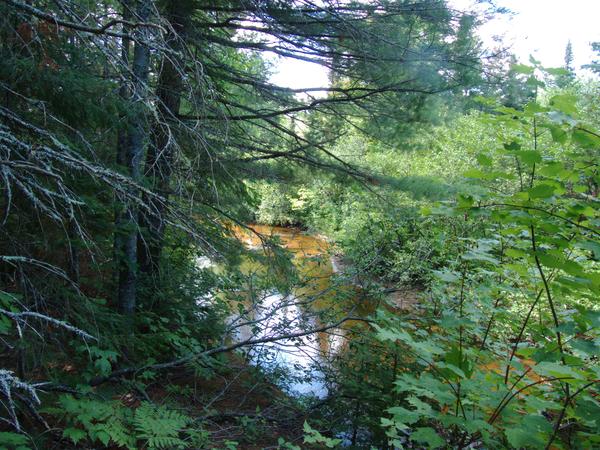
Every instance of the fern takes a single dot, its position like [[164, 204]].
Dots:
[[159, 426], [111, 423], [98, 421], [14, 441]]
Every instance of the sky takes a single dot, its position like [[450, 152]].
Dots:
[[540, 28]]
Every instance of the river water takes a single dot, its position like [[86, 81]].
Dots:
[[318, 291]]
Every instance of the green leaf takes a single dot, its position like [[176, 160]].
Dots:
[[529, 157], [513, 146], [518, 437], [558, 134], [387, 334], [484, 160], [592, 316], [75, 434], [465, 201], [429, 436], [457, 372], [103, 437], [403, 415], [103, 366], [541, 190], [587, 347], [529, 432], [555, 369], [476, 173], [571, 267], [565, 103], [551, 168], [522, 68], [479, 255], [313, 436], [515, 253], [534, 107], [592, 246], [557, 71], [585, 139], [455, 359], [12, 440], [421, 408]]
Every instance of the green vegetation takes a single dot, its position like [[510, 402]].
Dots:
[[192, 257]]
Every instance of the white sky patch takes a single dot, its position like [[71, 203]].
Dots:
[[540, 28], [294, 73]]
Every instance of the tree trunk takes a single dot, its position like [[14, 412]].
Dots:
[[124, 93], [133, 154], [159, 160]]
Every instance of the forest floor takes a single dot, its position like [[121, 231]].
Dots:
[[405, 298], [236, 404]]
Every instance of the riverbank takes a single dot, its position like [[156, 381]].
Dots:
[[324, 273], [240, 400], [236, 404]]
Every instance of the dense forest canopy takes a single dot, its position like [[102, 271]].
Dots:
[[192, 256]]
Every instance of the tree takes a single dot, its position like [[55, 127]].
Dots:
[[133, 127], [516, 92], [567, 78], [569, 57], [133, 155], [594, 66], [211, 69], [455, 385]]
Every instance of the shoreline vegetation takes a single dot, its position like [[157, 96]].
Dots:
[[430, 279]]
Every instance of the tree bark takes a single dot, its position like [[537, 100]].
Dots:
[[133, 154], [124, 94], [159, 159]]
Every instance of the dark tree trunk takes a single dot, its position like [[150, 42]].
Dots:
[[159, 160], [132, 154], [122, 139]]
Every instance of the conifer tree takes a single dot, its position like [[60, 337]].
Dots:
[[569, 75], [594, 66]]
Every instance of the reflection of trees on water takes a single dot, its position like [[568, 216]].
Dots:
[[316, 300]]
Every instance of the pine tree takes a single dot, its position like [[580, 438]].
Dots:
[[567, 78], [594, 66], [569, 57], [130, 127]]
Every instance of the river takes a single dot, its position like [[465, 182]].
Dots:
[[319, 291]]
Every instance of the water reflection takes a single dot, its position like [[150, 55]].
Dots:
[[297, 356], [278, 314]]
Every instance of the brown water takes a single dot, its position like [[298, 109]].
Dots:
[[294, 239], [319, 291]]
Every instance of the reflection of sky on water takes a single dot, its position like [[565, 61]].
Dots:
[[300, 357], [297, 362], [296, 356]]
